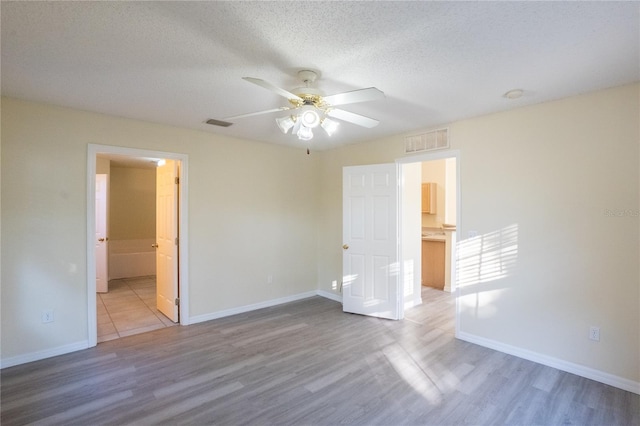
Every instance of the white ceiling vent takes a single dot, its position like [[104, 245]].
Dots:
[[435, 139]]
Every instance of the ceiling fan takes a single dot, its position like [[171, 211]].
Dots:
[[310, 108]]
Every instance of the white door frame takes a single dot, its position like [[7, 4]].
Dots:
[[92, 153], [420, 158]]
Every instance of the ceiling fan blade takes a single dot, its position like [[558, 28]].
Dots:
[[361, 95], [251, 114], [273, 88], [352, 117]]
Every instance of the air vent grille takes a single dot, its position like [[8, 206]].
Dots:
[[435, 139]]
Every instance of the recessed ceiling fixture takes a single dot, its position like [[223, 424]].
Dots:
[[312, 108], [514, 94]]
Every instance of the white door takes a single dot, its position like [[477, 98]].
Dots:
[[167, 239], [102, 278], [371, 271]]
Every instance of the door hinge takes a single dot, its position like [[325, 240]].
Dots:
[[177, 180], [177, 301], [177, 240]]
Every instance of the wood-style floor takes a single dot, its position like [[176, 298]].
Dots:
[[306, 363]]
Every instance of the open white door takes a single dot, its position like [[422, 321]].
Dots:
[[371, 271], [102, 242], [167, 239]]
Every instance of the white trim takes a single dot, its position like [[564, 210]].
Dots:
[[92, 151], [47, 353], [328, 295], [252, 307], [92, 315], [399, 258], [569, 367], [412, 304], [430, 156]]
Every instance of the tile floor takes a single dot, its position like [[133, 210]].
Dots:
[[129, 308]]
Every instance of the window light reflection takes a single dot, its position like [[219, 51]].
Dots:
[[487, 257]]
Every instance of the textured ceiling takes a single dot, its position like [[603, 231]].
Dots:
[[181, 63]]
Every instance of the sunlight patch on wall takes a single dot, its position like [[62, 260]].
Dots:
[[483, 302], [487, 257]]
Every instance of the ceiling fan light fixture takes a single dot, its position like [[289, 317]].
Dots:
[[312, 108], [305, 133], [285, 123], [309, 118], [330, 126]]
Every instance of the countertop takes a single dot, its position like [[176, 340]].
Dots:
[[436, 234], [432, 236]]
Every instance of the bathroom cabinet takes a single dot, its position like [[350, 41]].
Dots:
[[433, 263], [429, 198]]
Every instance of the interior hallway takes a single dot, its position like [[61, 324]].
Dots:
[[129, 308]]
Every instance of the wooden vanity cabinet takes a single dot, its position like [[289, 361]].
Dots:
[[433, 261]]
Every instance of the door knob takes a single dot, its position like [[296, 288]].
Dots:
[[154, 245], [345, 247], [101, 240]]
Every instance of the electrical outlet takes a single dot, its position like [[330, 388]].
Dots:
[[594, 333], [269, 279], [47, 315]]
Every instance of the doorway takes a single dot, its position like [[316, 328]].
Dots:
[[384, 280], [439, 227], [179, 204]]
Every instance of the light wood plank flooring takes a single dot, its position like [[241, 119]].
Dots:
[[306, 363]]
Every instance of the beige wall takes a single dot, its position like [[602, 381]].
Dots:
[[540, 183], [252, 213], [543, 177], [551, 172], [132, 203]]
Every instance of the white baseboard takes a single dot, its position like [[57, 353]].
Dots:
[[248, 308], [413, 303], [569, 367], [47, 353], [265, 304], [328, 295]]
